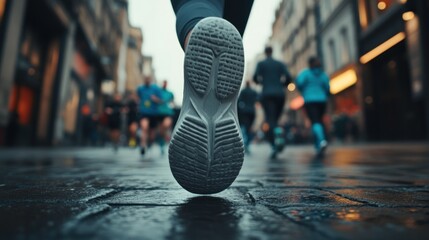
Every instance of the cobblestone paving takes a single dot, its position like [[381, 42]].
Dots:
[[361, 192]]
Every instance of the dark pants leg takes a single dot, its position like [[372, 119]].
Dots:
[[190, 12], [315, 112], [246, 121], [273, 107]]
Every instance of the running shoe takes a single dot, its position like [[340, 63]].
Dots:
[[142, 151], [322, 148], [206, 151]]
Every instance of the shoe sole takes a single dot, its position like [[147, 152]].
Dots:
[[206, 150], [321, 152]]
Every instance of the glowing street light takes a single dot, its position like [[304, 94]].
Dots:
[[407, 16], [382, 48], [381, 5]]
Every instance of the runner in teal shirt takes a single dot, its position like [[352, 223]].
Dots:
[[150, 97], [165, 112], [167, 97]]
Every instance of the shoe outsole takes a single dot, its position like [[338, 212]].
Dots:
[[206, 150], [321, 152]]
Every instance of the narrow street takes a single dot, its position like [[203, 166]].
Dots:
[[364, 191]]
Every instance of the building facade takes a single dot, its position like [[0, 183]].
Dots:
[[54, 58], [338, 41], [148, 68], [294, 37], [393, 53], [294, 40], [134, 59], [376, 54]]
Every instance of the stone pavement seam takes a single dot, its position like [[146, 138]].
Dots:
[[369, 187], [308, 226], [275, 210], [101, 196], [251, 198], [335, 188], [87, 214], [247, 195], [350, 198], [143, 205], [261, 184]]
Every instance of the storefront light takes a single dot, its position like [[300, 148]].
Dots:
[[291, 87], [382, 48], [381, 5], [363, 14], [407, 16], [90, 94], [297, 103], [108, 87], [2, 8], [343, 81]]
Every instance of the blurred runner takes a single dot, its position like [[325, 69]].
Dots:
[[89, 125], [132, 119], [166, 112], [246, 113], [113, 111], [150, 97], [273, 76], [313, 84]]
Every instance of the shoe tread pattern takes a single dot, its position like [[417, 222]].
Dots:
[[206, 158]]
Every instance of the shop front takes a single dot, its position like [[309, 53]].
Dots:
[[393, 94], [3, 10], [83, 93], [33, 91], [346, 111]]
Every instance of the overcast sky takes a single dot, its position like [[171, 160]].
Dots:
[[157, 20]]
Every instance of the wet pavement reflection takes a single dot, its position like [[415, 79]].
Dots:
[[365, 191], [205, 217]]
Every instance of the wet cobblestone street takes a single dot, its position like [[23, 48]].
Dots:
[[365, 191]]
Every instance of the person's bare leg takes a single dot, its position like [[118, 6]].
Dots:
[[166, 128], [152, 134], [132, 133], [165, 132], [114, 136], [144, 125]]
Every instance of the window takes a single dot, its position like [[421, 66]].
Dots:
[[345, 46], [2, 9], [370, 10], [92, 4], [328, 6], [333, 53]]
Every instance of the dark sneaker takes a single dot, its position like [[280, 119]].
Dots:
[[142, 151], [322, 149], [247, 150], [273, 155], [279, 139], [206, 151]]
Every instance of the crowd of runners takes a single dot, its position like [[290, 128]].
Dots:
[[149, 116]]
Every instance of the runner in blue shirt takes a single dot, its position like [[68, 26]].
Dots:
[[150, 98], [166, 112], [313, 83], [167, 98]]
